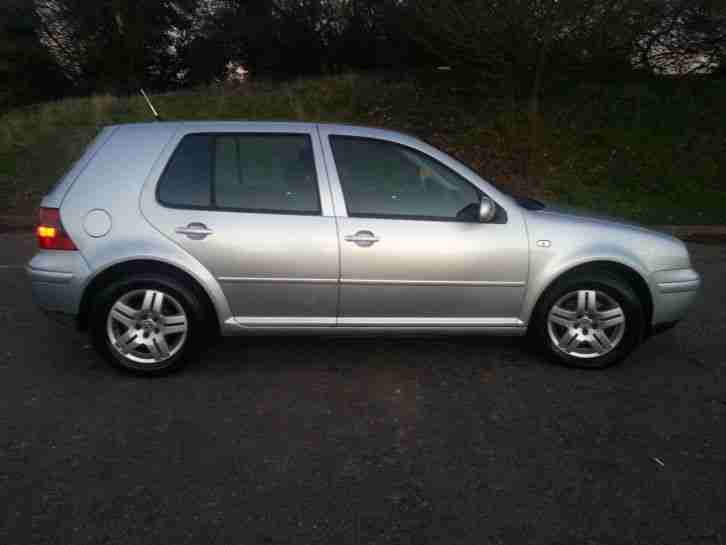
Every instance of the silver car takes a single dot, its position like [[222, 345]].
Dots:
[[164, 235]]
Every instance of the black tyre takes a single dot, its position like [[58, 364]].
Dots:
[[588, 320], [147, 324]]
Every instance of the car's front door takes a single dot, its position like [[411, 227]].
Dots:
[[413, 253], [249, 205]]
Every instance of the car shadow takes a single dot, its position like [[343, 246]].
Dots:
[[282, 353]]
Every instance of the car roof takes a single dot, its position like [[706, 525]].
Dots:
[[281, 124]]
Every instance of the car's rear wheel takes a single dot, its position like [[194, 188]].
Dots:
[[147, 324], [590, 320]]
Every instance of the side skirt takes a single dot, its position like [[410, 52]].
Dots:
[[244, 325]]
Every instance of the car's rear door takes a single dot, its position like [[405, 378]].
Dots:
[[251, 203], [413, 253]]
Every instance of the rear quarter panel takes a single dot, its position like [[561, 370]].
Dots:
[[57, 193], [113, 182]]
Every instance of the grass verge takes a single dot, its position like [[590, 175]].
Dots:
[[651, 151]]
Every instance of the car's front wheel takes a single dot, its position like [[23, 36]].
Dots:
[[147, 324], [589, 320]]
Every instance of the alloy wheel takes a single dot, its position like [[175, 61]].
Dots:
[[147, 327], [586, 324]]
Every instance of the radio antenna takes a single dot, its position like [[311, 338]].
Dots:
[[157, 117]]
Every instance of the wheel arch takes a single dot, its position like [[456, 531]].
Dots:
[[634, 278], [143, 266]]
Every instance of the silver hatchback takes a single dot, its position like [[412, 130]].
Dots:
[[164, 235]]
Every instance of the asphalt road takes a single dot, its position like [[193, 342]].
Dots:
[[356, 441]]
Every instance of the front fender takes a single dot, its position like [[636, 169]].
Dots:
[[574, 242], [541, 280]]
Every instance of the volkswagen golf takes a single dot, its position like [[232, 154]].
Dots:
[[164, 235]]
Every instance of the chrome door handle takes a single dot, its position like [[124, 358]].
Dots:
[[195, 231], [363, 238]]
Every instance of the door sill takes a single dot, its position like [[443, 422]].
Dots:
[[242, 325]]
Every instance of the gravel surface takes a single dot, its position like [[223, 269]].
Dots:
[[354, 441]]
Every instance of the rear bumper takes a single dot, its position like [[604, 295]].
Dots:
[[57, 279], [676, 291]]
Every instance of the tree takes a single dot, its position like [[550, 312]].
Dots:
[[687, 36], [523, 40], [297, 37], [116, 45], [28, 73], [523, 44], [370, 34]]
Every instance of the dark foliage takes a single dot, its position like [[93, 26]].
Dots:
[[51, 48], [28, 72], [298, 37]]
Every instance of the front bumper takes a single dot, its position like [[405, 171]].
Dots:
[[675, 292], [57, 279]]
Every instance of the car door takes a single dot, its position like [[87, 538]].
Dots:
[[247, 202], [413, 253]]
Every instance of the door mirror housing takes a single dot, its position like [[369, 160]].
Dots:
[[487, 209]]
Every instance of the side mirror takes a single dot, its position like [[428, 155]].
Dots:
[[487, 209]]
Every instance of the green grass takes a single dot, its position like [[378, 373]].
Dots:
[[651, 151]]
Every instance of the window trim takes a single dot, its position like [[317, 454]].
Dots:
[[332, 136], [213, 206]]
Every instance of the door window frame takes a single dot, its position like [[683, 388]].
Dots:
[[213, 207], [437, 156], [412, 217]]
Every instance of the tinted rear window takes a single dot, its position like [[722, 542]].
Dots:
[[265, 173], [273, 173], [186, 181]]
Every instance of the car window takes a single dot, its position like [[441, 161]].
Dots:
[[266, 173], [244, 172], [186, 179], [385, 179]]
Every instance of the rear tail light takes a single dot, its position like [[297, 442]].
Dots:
[[50, 232]]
